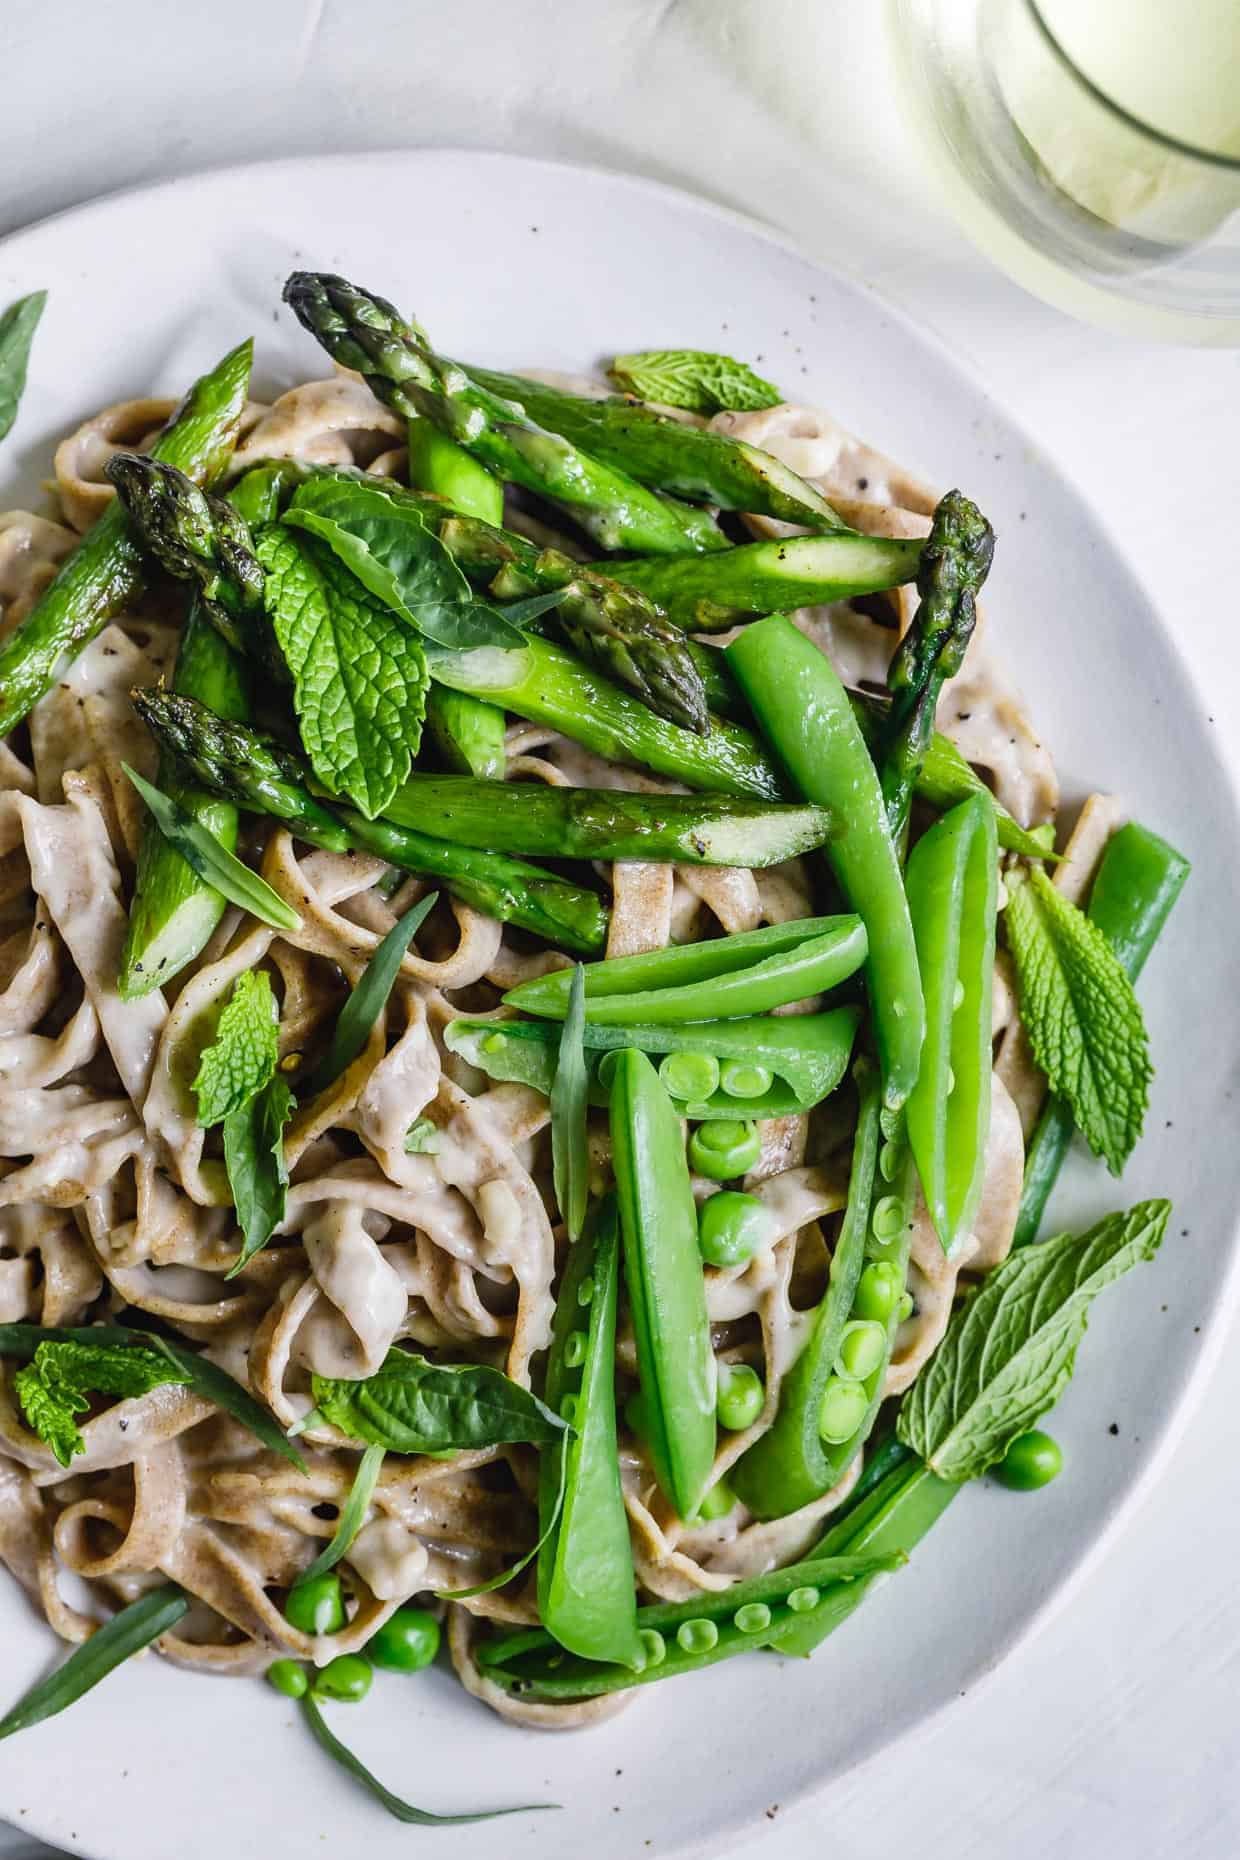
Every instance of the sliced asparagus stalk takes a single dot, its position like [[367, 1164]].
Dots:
[[606, 823], [705, 593], [257, 773], [174, 911]]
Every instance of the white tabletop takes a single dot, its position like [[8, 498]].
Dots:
[[1116, 1731]]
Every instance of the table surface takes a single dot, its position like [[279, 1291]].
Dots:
[[1116, 1730]]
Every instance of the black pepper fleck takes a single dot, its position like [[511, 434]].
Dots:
[[1114, 1428]]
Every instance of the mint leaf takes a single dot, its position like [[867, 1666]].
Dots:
[[212, 861], [257, 1173], [57, 1382], [242, 1056], [359, 676], [1083, 1019], [17, 327], [570, 1089], [695, 379], [394, 552], [411, 1405], [1009, 1352]]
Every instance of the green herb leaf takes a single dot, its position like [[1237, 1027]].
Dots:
[[57, 1383], [1009, 1352], [257, 1172], [201, 1375], [17, 327], [243, 1054], [1083, 1019], [352, 1516], [396, 555], [403, 1811], [213, 862], [422, 1138], [367, 1001], [693, 378], [411, 1405], [127, 1632], [569, 1104], [359, 676]]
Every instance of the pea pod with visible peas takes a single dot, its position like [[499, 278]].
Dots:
[[663, 1272], [790, 1465], [807, 718], [585, 1568], [952, 882], [709, 981], [805, 1056], [683, 1637]]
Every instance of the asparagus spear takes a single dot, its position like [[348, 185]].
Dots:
[[955, 561], [104, 573], [202, 539], [606, 823], [706, 593], [548, 686], [257, 773], [467, 731], [366, 332], [174, 911], [686, 460]]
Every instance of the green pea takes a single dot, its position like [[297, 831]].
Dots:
[[732, 1227], [575, 1349], [724, 1149], [697, 1636], [288, 1677], [740, 1079], [888, 1217], [843, 1410], [717, 1502], [637, 1415], [316, 1606], [904, 1309], [878, 1291], [568, 1409], [691, 1077], [753, 1618], [346, 1678], [607, 1069], [407, 1641], [1031, 1461], [862, 1348], [585, 1291], [654, 1647], [802, 1600], [739, 1396], [889, 1159]]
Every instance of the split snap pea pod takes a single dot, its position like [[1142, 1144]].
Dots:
[[467, 732], [1139, 879], [663, 1273], [586, 1592], [806, 716], [891, 1521], [105, 571], [791, 1465], [685, 1637], [803, 1055], [952, 880], [733, 976], [708, 592]]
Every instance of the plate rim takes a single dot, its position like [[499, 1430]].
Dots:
[[1197, 1374]]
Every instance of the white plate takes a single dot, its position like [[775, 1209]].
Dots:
[[521, 262]]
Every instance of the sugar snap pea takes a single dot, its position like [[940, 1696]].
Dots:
[[808, 720], [663, 1272], [586, 1591], [1138, 882], [806, 1054], [952, 882], [709, 981], [789, 1466]]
